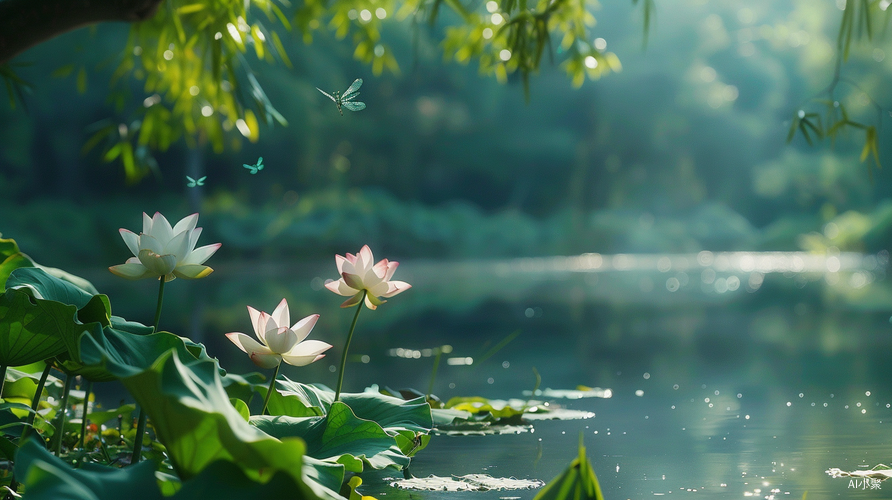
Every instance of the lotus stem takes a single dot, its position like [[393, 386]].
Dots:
[[160, 300], [87, 392], [347, 346], [35, 401], [141, 419], [2, 377], [272, 387], [430, 387], [136, 456], [60, 430]]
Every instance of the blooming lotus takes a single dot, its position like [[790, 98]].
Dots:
[[164, 251], [278, 341], [358, 274]]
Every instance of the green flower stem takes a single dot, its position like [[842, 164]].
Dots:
[[87, 392], [272, 387], [160, 300], [60, 430], [347, 346], [35, 402], [430, 387], [141, 420], [2, 377]]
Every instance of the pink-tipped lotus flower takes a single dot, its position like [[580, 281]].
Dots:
[[358, 273], [278, 341], [162, 250]]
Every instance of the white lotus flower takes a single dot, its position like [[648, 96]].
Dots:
[[358, 274], [278, 341], [162, 250]]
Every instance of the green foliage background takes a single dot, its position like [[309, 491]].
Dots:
[[490, 158]]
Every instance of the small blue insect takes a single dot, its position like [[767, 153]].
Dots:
[[195, 182], [257, 167], [345, 100]]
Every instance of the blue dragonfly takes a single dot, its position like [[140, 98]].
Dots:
[[257, 167], [195, 182], [345, 100]]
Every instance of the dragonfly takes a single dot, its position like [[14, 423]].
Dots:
[[257, 167], [195, 182], [345, 100]]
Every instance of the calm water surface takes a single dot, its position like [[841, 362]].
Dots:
[[733, 375]]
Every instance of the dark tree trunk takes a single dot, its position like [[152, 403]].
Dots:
[[25, 23]]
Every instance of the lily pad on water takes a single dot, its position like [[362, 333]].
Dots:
[[481, 429], [559, 414], [469, 482], [578, 393]]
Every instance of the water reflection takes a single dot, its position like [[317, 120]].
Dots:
[[732, 374]]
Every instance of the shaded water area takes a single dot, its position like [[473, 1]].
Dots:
[[732, 374]]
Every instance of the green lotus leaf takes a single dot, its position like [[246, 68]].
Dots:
[[191, 413], [447, 416], [11, 258], [223, 479], [44, 286], [42, 316], [408, 422], [119, 323], [32, 331], [499, 409], [128, 353], [298, 400], [392, 414], [324, 478], [339, 436], [47, 477]]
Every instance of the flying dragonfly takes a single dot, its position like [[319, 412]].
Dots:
[[257, 167], [195, 182], [346, 99]]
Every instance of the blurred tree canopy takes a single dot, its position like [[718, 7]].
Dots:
[[825, 115], [195, 56]]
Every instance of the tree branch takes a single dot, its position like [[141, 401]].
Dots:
[[25, 23]]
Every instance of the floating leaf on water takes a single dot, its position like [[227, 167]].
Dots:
[[578, 393], [469, 482], [481, 429], [559, 414]]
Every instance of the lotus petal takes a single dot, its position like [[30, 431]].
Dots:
[[131, 271], [192, 271]]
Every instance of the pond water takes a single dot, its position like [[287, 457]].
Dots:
[[732, 374]]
